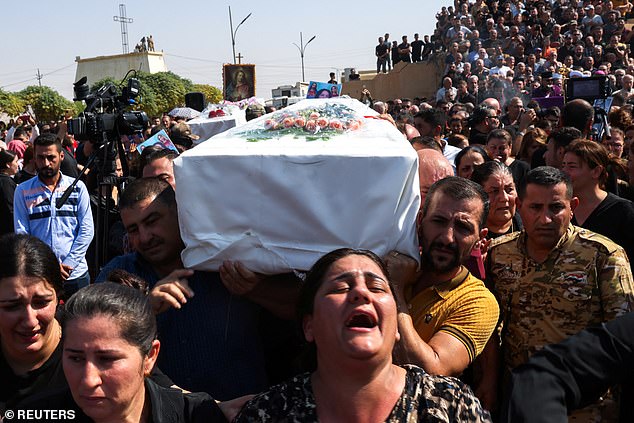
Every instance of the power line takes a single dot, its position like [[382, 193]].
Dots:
[[38, 76], [193, 58], [57, 70]]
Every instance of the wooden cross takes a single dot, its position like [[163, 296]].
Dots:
[[239, 57]]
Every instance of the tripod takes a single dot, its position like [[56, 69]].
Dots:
[[103, 161]]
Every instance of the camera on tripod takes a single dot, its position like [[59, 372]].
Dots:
[[105, 116]]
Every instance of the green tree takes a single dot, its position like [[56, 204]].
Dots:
[[212, 94], [11, 103], [162, 91], [47, 103]]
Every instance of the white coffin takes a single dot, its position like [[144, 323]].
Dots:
[[279, 204]]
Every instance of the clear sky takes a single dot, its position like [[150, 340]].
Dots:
[[195, 37]]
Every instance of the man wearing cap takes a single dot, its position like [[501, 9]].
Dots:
[[500, 67], [181, 135], [591, 18]]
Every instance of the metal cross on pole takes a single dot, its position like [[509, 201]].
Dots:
[[124, 27]]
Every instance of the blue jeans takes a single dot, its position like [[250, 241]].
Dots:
[[73, 285], [380, 64]]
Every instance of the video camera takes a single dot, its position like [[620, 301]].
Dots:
[[589, 89], [105, 117], [596, 91]]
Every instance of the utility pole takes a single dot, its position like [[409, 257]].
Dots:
[[302, 49], [39, 77], [124, 27], [233, 33]]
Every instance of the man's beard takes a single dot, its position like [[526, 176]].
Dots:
[[47, 172], [429, 261]]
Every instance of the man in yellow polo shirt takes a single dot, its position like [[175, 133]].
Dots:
[[446, 315]]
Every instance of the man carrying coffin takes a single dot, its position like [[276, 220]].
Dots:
[[208, 321]]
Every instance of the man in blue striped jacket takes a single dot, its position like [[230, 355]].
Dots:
[[68, 230]]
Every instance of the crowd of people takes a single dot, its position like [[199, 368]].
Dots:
[[524, 231]]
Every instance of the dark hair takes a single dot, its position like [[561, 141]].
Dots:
[[19, 132], [26, 255], [6, 157], [620, 118], [144, 188], [533, 136], [479, 115], [545, 176], [315, 276], [426, 142], [434, 117], [564, 136], [471, 148], [481, 173], [595, 154], [28, 154], [457, 189], [125, 278], [500, 134], [455, 140], [127, 307], [156, 152], [323, 90], [48, 139], [577, 113]]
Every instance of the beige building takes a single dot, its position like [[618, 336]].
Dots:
[[116, 66], [406, 80]]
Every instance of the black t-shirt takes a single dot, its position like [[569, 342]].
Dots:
[[417, 48], [519, 170], [22, 176], [477, 137], [380, 50], [15, 388], [404, 56], [7, 189], [613, 218], [69, 165]]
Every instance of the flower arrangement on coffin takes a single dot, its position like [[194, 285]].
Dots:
[[312, 123]]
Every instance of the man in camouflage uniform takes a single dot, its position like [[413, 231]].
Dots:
[[554, 279]]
